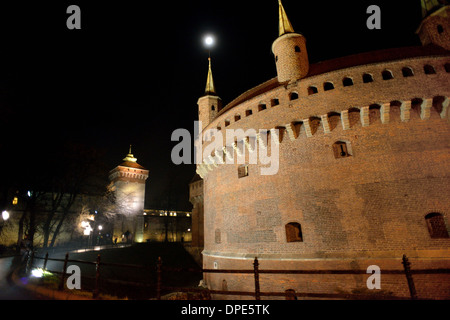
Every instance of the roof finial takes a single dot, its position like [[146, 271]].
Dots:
[[430, 6], [130, 156], [285, 25], [209, 81]]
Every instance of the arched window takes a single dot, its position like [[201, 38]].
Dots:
[[312, 90], [429, 69], [297, 49], [294, 232], [387, 75], [440, 29], [328, 86], [213, 108], [367, 78], [447, 67], [436, 225], [293, 96], [290, 294], [347, 82], [341, 149], [407, 72]]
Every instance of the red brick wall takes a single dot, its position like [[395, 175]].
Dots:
[[368, 206]]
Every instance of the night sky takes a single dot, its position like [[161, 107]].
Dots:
[[134, 72]]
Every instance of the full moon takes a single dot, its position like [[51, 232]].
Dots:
[[209, 40]]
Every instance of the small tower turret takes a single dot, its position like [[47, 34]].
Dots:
[[291, 57], [435, 25], [209, 104]]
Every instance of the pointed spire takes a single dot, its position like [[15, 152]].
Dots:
[[210, 89], [130, 156], [285, 25]]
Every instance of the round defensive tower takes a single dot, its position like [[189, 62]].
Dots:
[[362, 176]]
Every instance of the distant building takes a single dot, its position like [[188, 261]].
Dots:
[[128, 180], [171, 226], [133, 223]]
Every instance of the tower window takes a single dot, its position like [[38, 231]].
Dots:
[[440, 29], [407, 72], [242, 171], [340, 149], [367, 78], [213, 108], [297, 49], [429, 69], [387, 75], [447, 67], [312, 90], [227, 123], [436, 225], [347, 82], [328, 86], [274, 102], [237, 118], [248, 113], [261, 107], [294, 232], [293, 96]]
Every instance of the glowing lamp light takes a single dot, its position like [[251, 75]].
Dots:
[[87, 231], [37, 273], [5, 215], [100, 227]]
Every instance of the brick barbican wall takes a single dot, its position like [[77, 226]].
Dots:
[[365, 209]]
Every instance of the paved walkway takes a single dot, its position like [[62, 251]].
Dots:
[[8, 290]]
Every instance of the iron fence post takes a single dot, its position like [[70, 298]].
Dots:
[[63, 274], [407, 267], [44, 267], [97, 278], [256, 271], [29, 265], [158, 280]]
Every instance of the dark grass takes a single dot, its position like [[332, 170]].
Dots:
[[133, 282]]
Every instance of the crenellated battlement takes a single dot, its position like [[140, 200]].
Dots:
[[334, 91], [365, 116]]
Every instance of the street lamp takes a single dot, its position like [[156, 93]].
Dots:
[[5, 215]]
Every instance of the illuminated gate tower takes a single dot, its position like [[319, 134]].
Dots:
[[128, 181]]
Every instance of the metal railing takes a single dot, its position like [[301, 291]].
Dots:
[[257, 294]]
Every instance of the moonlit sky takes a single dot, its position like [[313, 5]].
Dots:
[[134, 72]]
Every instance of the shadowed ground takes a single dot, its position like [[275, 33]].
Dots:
[[134, 283]]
